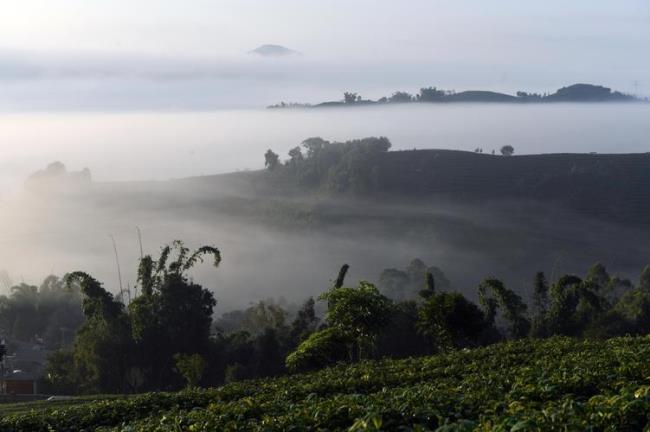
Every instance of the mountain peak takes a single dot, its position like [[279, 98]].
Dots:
[[269, 50]]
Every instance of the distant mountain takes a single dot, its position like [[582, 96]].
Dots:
[[273, 51], [587, 93], [572, 93]]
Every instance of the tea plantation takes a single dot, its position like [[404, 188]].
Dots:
[[553, 384]]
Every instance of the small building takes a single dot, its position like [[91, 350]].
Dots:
[[21, 371], [19, 383]]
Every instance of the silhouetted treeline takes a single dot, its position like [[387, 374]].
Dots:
[[333, 166], [363, 322], [48, 314], [166, 338], [572, 93]]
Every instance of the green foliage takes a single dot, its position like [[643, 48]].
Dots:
[[598, 306], [103, 344], [256, 341], [634, 309], [349, 166], [322, 348], [51, 312], [564, 301], [60, 375], [305, 322], [557, 384], [451, 321], [191, 366], [355, 317], [601, 283], [493, 295], [173, 314], [358, 313], [401, 337], [118, 350], [168, 327]]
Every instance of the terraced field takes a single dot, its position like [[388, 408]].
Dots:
[[555, 384]]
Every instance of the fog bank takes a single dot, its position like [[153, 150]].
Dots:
[[146, 146]]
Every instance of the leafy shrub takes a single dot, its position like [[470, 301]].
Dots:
[[322, 348]]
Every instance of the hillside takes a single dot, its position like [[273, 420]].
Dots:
[[470, 214], [610, 186], [554, 384]]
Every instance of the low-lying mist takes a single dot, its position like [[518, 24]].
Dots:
[[293, 247], [163, 145]]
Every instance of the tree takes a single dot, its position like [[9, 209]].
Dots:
[[634, 307], [644, 280], [601, 283], [359, 313], [271, 160], [103, 344], [262, 316], [540, 294], [191, 367], [60, 374], [305, 323], [314, 146], [401, 337], [355, 317], [173, 314], [492, 295], [451, 321], [430, 289], [349, 97], [564, 301], [431, 94], [296, 158], [400, 97], [269, 353], [507, 150], [597, 277], [340, 280]]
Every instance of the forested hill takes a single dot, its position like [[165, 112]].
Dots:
[[610, 186]]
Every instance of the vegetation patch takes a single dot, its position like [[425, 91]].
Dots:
[[554, 384]]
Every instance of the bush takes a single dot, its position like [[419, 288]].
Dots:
[[322, 348]]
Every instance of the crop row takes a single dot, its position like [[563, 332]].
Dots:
[[558, 383]]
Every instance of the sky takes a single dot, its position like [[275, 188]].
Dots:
[[132, 54]]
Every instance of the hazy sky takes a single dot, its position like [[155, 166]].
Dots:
[[84, 46]]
